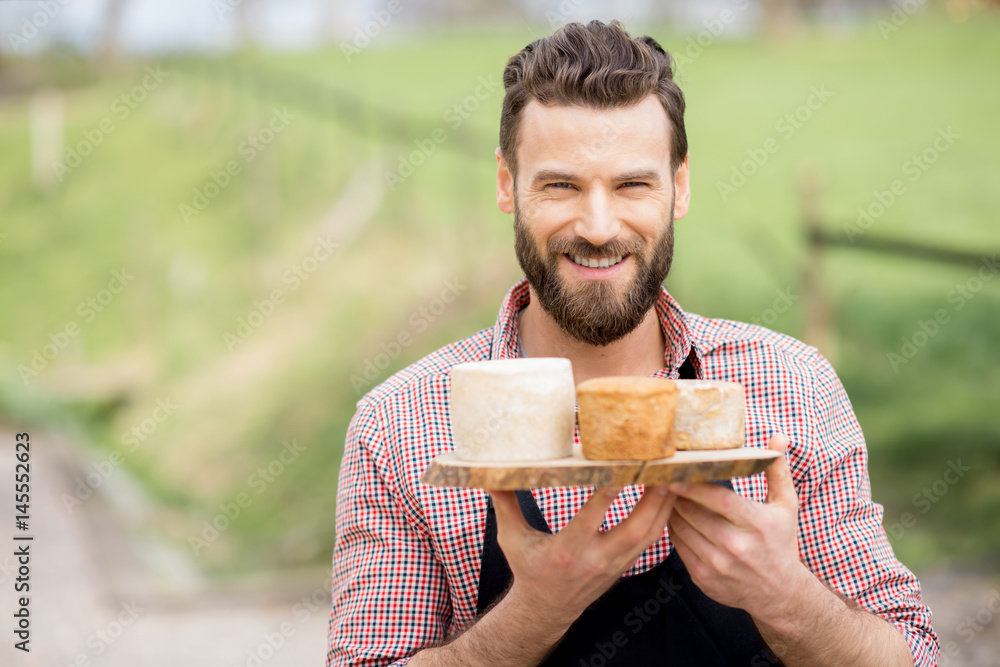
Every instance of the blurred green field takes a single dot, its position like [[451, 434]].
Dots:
[[165, 335]]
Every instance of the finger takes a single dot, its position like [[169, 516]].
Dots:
[[780, 486], [682, 532], [646, 515], [588, 520], [724, 502], [710, 525], [692, 562], [510, 518], [665, 510], [659, 522], [677, 541], [647, 520]]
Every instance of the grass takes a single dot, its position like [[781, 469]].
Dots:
[[194, 281]]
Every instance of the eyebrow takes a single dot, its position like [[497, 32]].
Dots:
[[558, 175]]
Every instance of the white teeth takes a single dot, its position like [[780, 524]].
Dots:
[[597, 263]]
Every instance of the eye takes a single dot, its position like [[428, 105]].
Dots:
[[568, 185], [633, 183]]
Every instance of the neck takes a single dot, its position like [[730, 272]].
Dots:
[[639, 353]]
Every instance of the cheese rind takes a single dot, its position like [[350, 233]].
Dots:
[[710, 414], [513, 409], [626, 418]]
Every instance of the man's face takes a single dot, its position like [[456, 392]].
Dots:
[[595, 187]]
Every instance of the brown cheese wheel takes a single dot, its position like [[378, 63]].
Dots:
[[626, 418]]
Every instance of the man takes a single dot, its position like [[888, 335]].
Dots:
[[790, 566]]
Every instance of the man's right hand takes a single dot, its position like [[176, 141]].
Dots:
[[556, 577]]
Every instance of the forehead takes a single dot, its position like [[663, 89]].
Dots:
[[593, 140]]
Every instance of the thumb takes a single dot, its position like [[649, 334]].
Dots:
[[510, 518], [780, 487]]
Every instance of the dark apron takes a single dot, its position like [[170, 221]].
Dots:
[[658, 617]]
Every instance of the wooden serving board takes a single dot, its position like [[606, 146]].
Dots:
[[684, 466]]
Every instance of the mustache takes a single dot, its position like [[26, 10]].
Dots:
[[578, 246]]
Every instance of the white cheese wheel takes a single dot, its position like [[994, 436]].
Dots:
[[513, 409], [710, 415]]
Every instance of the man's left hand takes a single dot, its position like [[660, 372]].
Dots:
[[742, 553]]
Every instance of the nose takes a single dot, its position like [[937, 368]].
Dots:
[[597, 221]]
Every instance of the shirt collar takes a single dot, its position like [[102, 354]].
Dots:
[[679, 346]]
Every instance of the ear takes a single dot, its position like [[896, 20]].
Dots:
[[682, 189], [505, 185]]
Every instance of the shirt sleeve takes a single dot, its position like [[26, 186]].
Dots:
[[841, 538], [390, 593]]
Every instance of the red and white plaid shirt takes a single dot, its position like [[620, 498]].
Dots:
[[407, 556]]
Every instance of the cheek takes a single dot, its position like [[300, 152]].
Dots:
[[545, 229], [537, 238], [646, 217], [553, 216]]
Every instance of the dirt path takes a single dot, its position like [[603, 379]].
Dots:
[[103, 596], [966, 608]]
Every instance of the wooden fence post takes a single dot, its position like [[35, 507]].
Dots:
[[817, 331]]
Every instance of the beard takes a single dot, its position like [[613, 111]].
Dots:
[[596, 312]]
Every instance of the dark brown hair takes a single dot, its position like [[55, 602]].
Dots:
[[596, 65]]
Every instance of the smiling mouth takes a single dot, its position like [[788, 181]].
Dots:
[[591, 263]]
